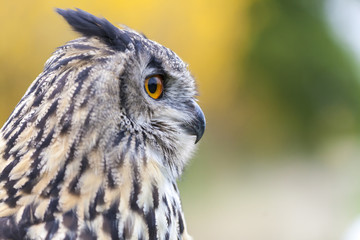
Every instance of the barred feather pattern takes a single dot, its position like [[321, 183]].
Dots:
[[85, 157]]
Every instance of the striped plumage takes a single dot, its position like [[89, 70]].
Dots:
[[87, 154]]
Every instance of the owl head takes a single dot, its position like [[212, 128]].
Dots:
[[117, 90]]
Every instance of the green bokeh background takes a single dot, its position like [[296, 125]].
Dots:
[[279, 159]]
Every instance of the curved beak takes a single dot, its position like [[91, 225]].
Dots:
[[196, 126]]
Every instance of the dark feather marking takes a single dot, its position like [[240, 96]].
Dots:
[[32, 180], [9, 229], [47, 66], [128, 144], [71, 154], [175, 187], [47, 140], [155, 195], [39, 135], [174, 207], [73, 185], [87, 234], [34, 87], [92, 210], [12, 117], [13, 128], [151, 223], [6, 171], [111, 220], [70, 220], [89, 25], [102, 60], [11, 142], [52, 208], [80, 79], [90, 92], [32, 117], [52, 80], [143, 148], [29, 185], [50, 111], [83, 47], [65, 120], [99, 199], [16, 154], [84, 165], [168, 212], [65, 127], [122, 91], [36, 157], [106, 52], [32, 176], [60, 85], [38, 99], [39, 90], [111, 181], [35, 165], [181, 223], [167, 236], [11, 201], [53, 188], [52, 228], [119, 136], [139, 47], [66, 61], [135, 189], [85, 101], [10, 190], [28, 217], [87, 119], [137, 144]]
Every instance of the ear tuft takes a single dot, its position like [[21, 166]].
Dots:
[[89, 25]]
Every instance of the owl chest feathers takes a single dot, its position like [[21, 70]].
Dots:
[[126, 196]]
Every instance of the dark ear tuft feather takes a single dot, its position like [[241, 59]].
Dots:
[[89, 25]]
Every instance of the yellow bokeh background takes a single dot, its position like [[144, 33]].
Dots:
[[244, 182], [204, 34]]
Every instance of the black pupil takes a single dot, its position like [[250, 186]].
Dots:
[[152, 85]]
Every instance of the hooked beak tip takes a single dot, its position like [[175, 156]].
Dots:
[[197, 125]]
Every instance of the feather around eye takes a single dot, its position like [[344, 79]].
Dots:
[[154, 86]]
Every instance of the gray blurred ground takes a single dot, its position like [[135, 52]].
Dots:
[[294, 198]]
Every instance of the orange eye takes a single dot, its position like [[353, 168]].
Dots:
[[154, 86]]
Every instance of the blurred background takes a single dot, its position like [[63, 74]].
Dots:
[[279, 83]]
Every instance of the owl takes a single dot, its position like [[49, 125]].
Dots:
[[94, 148]]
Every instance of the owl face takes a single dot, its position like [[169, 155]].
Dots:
[[158, 95], [157, 88]]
